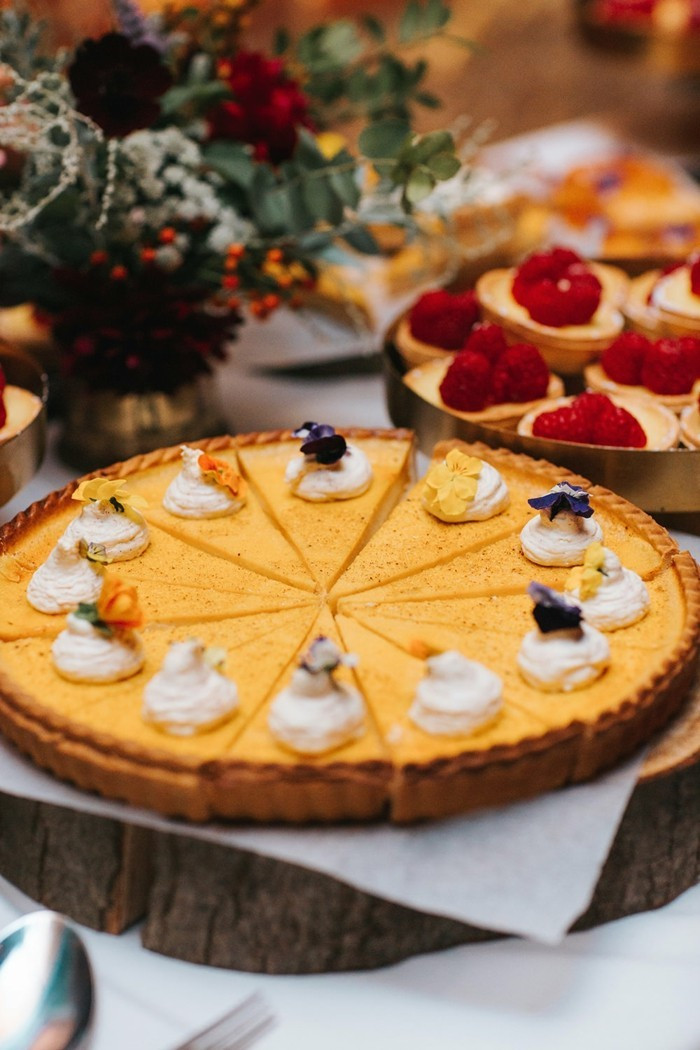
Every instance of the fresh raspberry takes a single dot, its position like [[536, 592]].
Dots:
[[520, 374], [591, 405], [467, 382], [689, 346], [487, 339], [616, 426], [557, 288], [444, 319], [3, 410], [562, 424], [668, 368], [624, 358], [695, 277]]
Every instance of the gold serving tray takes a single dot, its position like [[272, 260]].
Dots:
[[22, 455], [658, 482]]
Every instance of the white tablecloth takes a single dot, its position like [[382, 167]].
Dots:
[[633, 983]]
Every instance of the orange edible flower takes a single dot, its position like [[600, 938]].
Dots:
[[167, 235], [221, 472], [118, 604]]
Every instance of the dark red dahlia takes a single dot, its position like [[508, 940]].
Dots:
[[266, 110], [557, 288], [118, 84]]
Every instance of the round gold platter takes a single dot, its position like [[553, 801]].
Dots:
[[22, 454], [660, 482]]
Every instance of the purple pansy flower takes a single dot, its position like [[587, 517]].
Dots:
[[323, 655], [553, 612], [564, 497], [321, 442]]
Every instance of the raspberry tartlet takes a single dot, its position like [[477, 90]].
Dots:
[[666, 302], [635, 366], [567, 307], [487, 381], [599, 419], [439, 323], [690, 421]]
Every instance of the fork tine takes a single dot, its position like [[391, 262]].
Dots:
[[237, 1029]]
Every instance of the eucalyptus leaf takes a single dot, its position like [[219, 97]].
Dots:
[[420, 185], [232, 161], [411, 23], [322, 201], [361, 240], [375, 28], [204, 95], [384, 138], [444, 165], [429, 145], [281, 42]]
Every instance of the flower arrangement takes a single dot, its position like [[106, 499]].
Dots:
[[161, 183]]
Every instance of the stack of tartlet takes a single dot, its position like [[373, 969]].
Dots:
[[526, 330]]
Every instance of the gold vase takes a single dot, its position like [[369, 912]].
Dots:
[[101, 427]]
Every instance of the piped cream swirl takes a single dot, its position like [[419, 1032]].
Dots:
[[562, 541], [561, 661], [188, 695], [122, 535], [456, 697], [620, 600], [191, 495], [64, 580], [81, 653], [317, 482], [316, 714]]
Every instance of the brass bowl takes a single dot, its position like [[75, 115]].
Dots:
[[22, 455], [660, 482]]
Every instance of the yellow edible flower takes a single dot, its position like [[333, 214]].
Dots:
[[102, 489], [450, 487], [330, 143], [589, 576]]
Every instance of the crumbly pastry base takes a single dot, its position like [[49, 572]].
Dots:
[[174, 783]]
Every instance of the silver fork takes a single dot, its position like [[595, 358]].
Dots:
[[237, 1029]]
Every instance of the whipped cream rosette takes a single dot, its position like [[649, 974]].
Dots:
[[463, 488], [563, 530], [110, 519], [205, 487], [563, 653], [329, 468], [457, 696], [70, 575], [100, 643], [189, 694], [316, 713], [610, 595]]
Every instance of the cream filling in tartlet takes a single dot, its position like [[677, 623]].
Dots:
[[456, 697], [64, 580], [690, 425], [188, 695], [121, 535], [315, 714], [317, 482], [21, 407], [562, 541], [82, 653], [191, 495], [674, 295], [620, 600], [561, 661]]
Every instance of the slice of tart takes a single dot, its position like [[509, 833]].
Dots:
[[328, 535], [95, 735], [248, 538], [348, 781]]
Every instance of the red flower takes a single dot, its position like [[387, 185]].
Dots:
[[266, 110], [118, 84]]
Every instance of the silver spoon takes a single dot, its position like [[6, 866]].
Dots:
[[46, 987]]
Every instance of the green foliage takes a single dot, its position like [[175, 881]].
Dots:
[[21, 43]]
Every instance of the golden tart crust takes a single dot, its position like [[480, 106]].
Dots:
[[596, 378], [414, 583]]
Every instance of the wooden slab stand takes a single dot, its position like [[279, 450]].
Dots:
[[228, 907]]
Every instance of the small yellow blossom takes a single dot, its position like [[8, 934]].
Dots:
[[588, 577], [450, 487], [102, 489]]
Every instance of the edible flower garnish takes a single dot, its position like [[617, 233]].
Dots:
[[116, 609], [552, 611], [215, 657], [564, 497], [422, 650], [114, 492], [589, 576], [450, 487], [324, 656], [94, 552], [222, 473], [321, 442]]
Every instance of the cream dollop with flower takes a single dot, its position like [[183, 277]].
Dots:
[[100, 643], [110, 520], [610, 595], [205, 487], [456, 697], [67, 578], [464, 488], [190, 694]]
